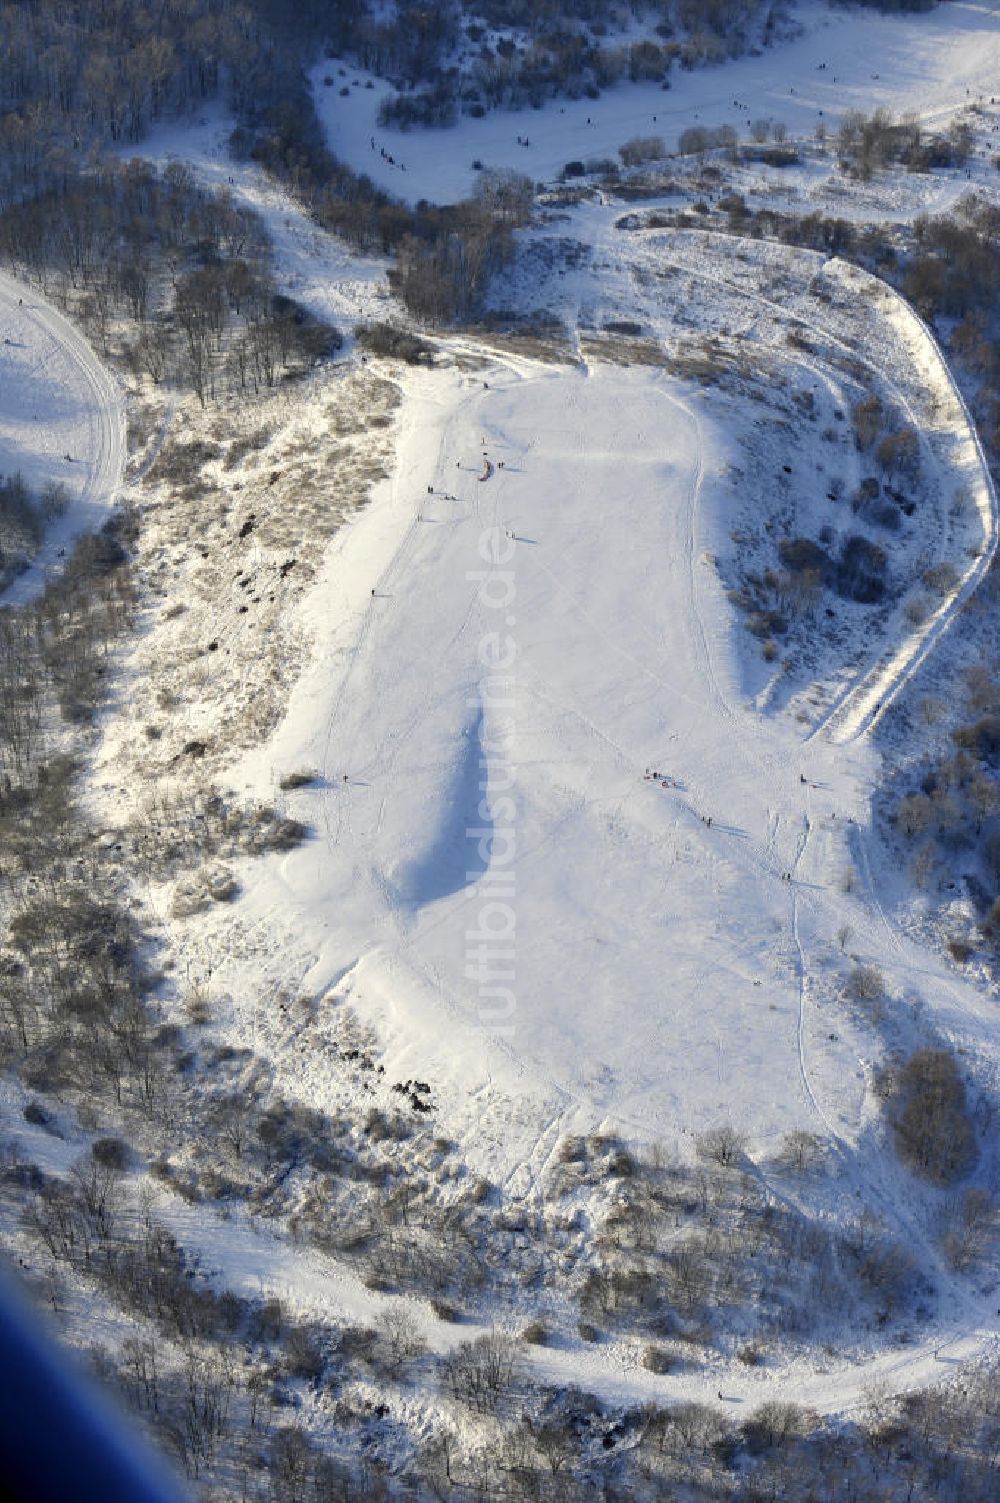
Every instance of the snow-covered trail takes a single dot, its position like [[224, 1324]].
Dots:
[[258, 1263], [864, 703], [56, 400], [256, 1260]]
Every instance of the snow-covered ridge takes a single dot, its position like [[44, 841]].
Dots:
[[863, 704]]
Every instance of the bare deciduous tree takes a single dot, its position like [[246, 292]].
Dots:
[[482, 1372]]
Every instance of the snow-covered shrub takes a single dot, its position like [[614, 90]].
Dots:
[[657, 1359], [774, 1424], [724, 1144], [929, 1117], [867, 417], [641, 149], [861, 570], [481, 1373], [865, 984]]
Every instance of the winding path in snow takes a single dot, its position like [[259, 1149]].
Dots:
[[863, 704], [56, 399]]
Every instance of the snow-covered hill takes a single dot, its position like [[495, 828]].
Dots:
[[587, 861], [561, 868], [527, 621]]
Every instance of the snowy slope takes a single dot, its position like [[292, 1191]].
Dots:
[[930, 65], [668, 974], [628, 906], [646, 940], [61, 420], [657, 979]]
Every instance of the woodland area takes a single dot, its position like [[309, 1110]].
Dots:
[[171, 279]]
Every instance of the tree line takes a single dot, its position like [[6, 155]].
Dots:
[[446, 254], [77, 74], [542, 51]]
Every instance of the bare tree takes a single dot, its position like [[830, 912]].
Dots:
[[401, 1340], [482, 1372], [724, 1144], [139, 1357], [971, 1223]]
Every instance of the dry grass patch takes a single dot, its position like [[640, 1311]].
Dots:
[[618, 350], [235, 517], [554, 349]]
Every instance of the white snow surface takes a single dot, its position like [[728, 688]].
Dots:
[[629, 910], [56, 400], [928, 65]]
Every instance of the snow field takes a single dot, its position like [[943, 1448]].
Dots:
[[929, 65], [620, 883]]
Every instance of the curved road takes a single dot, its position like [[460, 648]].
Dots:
[[56, 399]]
